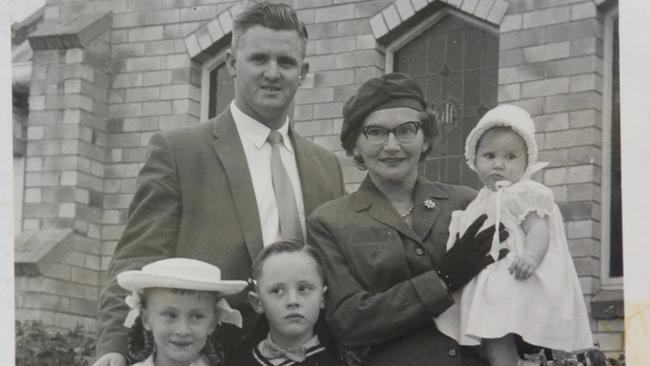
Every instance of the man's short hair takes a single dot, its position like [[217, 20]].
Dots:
[[269, 15]]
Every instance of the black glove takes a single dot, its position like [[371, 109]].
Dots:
[[469, 255]]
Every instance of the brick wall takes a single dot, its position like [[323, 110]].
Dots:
[[64, 168], [551, 63]]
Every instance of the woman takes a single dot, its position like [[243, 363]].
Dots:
[[384, 245]]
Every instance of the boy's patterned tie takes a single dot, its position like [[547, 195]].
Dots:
[[290, 227], [272, 351]]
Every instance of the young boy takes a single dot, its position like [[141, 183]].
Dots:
[[290, 288]]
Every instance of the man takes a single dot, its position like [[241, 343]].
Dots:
[[207, 192]]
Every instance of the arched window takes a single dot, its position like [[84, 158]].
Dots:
[[454, 57], [217, 90]]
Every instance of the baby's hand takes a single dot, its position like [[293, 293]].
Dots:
[[522, 266]]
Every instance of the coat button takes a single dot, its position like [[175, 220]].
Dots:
[[419, 251], [452, 352]]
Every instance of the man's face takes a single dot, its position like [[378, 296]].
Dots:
[[267, 68]]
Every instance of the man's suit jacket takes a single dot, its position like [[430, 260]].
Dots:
[[195, 199], [383, 291]]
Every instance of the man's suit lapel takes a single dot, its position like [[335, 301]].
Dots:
[[308, 171], [230, 152]]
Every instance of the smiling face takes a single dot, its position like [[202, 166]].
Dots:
[[392, 161], [267, 67], [500, 155], [290, 292], [180, 322]]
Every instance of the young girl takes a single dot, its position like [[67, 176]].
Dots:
[[289, 289], [534, 293], [176, 306]]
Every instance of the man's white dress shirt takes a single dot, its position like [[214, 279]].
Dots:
[[253, 135]]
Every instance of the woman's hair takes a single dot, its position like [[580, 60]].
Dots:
[[428, 119], [269, 15], [286, 246], [142, 344]]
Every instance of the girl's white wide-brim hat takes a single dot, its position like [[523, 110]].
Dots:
[[180, 273], [505, 115]]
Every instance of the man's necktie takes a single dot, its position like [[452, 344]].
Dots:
[[290, 227]]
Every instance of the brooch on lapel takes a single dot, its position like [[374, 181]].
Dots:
[[430, 203]]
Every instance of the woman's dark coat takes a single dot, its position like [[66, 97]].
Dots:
[[382, 290]]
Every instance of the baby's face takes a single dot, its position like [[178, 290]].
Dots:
[[180, 322], [501, 154], [290, 293]]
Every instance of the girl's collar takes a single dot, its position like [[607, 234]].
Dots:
[[201, 361]]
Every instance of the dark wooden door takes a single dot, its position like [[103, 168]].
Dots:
[[456, 63]]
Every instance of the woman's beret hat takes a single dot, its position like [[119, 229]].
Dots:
[[387, 91]]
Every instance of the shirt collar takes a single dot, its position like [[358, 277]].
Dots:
[[307, 346], [255, 131], [312, 342]]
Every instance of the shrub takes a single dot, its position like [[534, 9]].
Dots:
[[37, 347], [593, 357]]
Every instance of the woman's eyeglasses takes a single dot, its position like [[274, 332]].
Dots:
[[404, 133]]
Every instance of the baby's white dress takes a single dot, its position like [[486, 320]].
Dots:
[[548, 308]]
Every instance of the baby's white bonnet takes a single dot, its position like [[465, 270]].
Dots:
[[505, 115]]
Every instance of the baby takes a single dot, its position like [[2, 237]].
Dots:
[[534, 294]]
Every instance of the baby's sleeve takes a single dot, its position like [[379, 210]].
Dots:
[[530, 197]]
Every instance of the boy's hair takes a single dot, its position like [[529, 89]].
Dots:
[[142, 344], [286, 246], [269, 15]]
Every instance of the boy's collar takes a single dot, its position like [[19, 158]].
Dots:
[[276, 353], [201, 361]]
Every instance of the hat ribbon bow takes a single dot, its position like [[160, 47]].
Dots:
[[134, 301], [229, 315]]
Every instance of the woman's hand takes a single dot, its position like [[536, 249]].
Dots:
[[468, 256]]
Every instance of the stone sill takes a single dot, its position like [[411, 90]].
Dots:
[[69, 33], [36, 251], [608, 304]]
